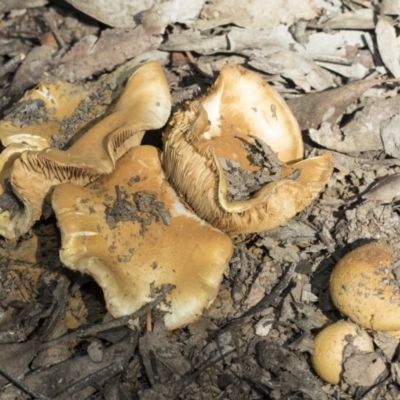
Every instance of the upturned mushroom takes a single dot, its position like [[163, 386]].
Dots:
[[330, 345], [364, 288], [131, 232], [145, 104], [238, 113]]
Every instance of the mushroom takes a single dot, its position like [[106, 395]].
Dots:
[[330, 345], [364, 288], [44, 108], [144, 105], [238, 112], [132, 234]]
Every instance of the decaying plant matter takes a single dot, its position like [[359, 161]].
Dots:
[[240, 109]]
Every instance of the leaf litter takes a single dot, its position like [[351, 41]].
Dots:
[[334, 61]]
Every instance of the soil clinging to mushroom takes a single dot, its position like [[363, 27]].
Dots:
[[143, 208]]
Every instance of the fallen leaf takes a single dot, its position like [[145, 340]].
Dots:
[[255, 14], [313, 109], [363, 369], [158, 17], [387, 45], [116, 13], [359, 19], [91, 55]]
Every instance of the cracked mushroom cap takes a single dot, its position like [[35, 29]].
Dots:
[[330, 345], [144, 104], [364, 288], [240, 108], [130, 231]]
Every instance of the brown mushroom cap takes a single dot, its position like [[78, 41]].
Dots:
[[129, 257], [59, 100], [215, 126], [144, 105], [329, 346], [363, 287]]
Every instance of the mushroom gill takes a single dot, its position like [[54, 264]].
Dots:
[[144, 104], [132, 234], [238, 112]]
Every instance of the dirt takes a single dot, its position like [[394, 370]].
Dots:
[[255, 341], [144, 209], [243, 184]]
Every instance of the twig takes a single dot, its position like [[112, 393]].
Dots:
[[48, 18], [261, 305], [11, 65], [21, 386], [93, 330], [105, 372]]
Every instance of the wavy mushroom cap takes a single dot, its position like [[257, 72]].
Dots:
[[241, 104], [130, 231], [239, 108], [364, 288], [144, 104], [329, 347]]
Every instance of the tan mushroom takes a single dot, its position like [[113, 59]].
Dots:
[[130, 231], [330, 345], [240, 108], [49, 104], [144, 105], [364, 288]]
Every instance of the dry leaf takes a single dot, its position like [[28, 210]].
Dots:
[[390, 134], [390, 7], [364, 369], [359, 19], [255, 14], [383, 190], [8, 5], [313, 109], [92, 55], [298, 68], [116, 13], [387, 45], [158, 17]]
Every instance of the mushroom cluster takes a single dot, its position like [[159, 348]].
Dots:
[[364, 288], [135, 218]]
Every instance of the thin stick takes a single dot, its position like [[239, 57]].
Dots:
[[93, 330], [261, 305], [105, 372], [21, 386]]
